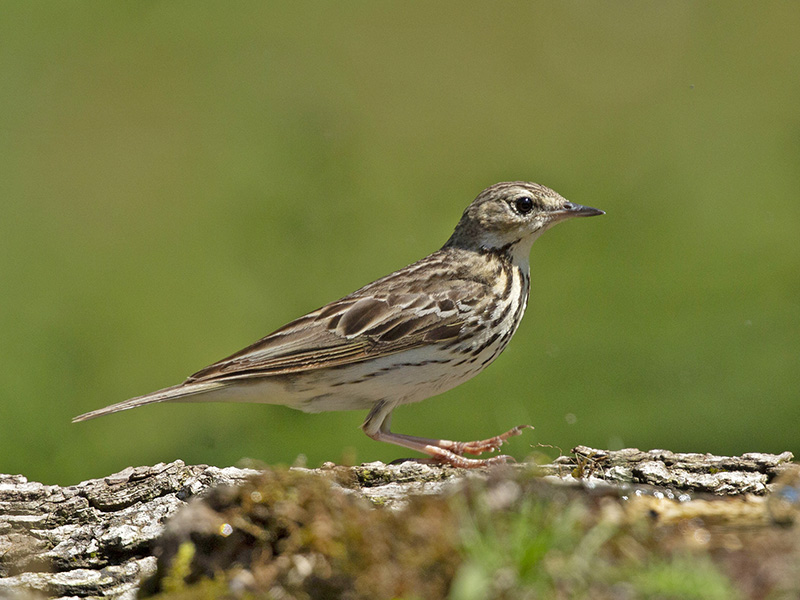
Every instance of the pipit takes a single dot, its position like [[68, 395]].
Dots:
[[411, 335]]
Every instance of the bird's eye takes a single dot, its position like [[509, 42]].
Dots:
[[523, 205]]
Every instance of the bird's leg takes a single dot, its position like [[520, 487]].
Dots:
[[377, 424], [491, 444]]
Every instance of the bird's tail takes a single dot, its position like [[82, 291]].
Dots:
[[176, 392]]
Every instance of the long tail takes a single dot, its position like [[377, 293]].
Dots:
[[175, 392]]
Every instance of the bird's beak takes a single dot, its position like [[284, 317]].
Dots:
[[570, 209]]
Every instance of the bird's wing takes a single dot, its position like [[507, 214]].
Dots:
[[363, 326]]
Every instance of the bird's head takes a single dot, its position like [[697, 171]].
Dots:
[[512, 215]]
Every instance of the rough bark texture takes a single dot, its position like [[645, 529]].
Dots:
[[690, 472], [95, 539]]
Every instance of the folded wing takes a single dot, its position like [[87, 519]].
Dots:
[[344, 332]]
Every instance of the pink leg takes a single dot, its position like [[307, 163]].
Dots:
[[491, 444], [377, 423]]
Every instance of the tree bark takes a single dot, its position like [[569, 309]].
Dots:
[[95, 539]]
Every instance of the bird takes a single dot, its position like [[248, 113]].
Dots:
[[405, 337]]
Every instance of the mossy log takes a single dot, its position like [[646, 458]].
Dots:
[[103, 537]]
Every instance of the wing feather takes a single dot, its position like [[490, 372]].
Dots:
[[368, 324]]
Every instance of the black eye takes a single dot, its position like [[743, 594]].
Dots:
[[524, 205]]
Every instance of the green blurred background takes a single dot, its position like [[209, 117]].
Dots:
[[179, 179]]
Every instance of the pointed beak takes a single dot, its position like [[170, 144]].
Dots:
[[570, 209]]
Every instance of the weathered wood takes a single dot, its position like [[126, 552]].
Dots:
[[691, 472], [95, 539]]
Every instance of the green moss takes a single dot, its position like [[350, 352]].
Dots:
[[206, 589], [298, 535], [684, 577], [175, 579], [522, 539]]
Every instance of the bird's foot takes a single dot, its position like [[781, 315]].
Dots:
[[445, 457], [491, 444], [452, 453]]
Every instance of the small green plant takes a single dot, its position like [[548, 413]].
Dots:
[[553, 548]]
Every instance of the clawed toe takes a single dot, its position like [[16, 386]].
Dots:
[[457, 461], [488, 445], [462, 462], [441, 451]]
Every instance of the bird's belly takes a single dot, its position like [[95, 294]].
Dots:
[[401, 378]]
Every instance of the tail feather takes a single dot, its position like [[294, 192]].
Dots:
[[176, 392]]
